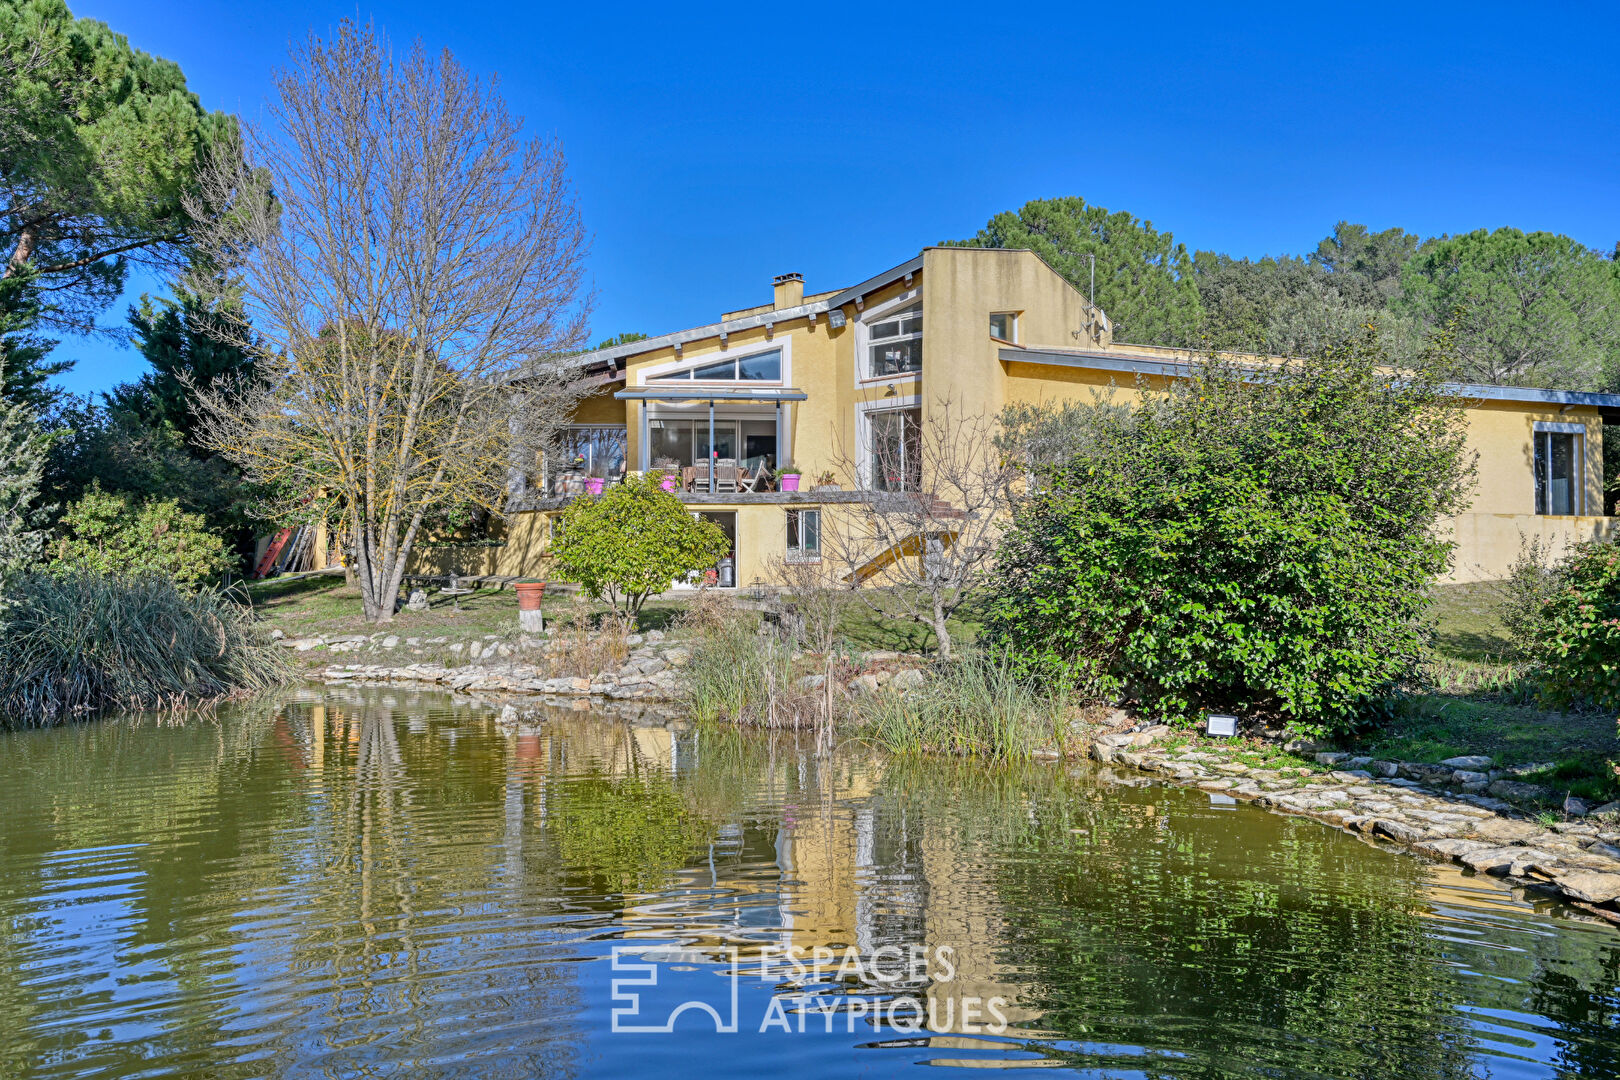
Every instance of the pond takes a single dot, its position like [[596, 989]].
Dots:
[[390, 884]]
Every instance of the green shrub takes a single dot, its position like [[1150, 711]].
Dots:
[[108, 533], [77, 643], [632, 541], [1577, 642], [980, 704], [1523, 595], [1249, 540]]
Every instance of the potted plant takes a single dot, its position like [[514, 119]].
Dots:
[[826, 481], [530, 591], [787, 477]]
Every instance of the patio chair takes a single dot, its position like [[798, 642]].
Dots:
[[696, 476], [725, 474], [760, 481]]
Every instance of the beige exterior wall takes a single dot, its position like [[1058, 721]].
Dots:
[[1487, 544]]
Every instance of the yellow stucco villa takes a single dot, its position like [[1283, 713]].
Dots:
[[838, 376]]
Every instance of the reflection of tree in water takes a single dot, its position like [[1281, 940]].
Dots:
[[1578, 988], [621, 834], [1268, 947], [300, 885]]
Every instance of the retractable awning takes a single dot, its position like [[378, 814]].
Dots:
[[712, 393]]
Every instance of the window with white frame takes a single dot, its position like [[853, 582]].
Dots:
[[1558, 468], [755, 367], [1004, 326], [585, 453], [894, 344], [895, 449], [803, 535]]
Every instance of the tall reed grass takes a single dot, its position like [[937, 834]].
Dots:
[[80, 643], [978, 705], [735, 675]]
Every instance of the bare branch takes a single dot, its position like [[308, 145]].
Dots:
[[417, 253]]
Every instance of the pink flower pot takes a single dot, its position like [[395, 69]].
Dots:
[[789, 481], [593, 485]]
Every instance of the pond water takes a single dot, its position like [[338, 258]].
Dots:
[[383, 883]]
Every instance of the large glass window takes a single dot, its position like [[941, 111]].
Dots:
[[803, 535], [894, 344], [584, 453], [756, 367], [673, 443], [896, 449], [1557, 491]]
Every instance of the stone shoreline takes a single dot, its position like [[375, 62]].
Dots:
[[1578, 861]]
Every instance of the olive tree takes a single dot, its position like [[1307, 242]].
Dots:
[[417, 256]]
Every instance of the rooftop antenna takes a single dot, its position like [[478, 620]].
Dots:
[[1091, 299]]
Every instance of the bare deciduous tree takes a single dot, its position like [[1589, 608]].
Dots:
[[926, 540], [416, 256], [811, 610]]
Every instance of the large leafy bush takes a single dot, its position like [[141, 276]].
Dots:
[[110, 533], [1577, 636], [632, 541], [1248, 539]]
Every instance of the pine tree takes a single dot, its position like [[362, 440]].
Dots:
[[22, 461], [1144, 278], [99, 144]]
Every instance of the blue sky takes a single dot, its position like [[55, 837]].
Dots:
[[715, 146]]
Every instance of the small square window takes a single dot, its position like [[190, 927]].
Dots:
[[803, 535], [1004, 326]]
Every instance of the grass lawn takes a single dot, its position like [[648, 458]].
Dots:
[[322, 604], [1478, 707]]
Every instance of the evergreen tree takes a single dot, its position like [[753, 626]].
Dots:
[[23, 367], [99, 144], [1144, 278], [22, 458], [1529, 309], [174, 337]]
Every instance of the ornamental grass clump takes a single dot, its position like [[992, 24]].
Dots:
[[77, 643], [736, 676], [1254, 539], [980, 704]]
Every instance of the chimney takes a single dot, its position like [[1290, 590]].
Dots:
[[789, 289]]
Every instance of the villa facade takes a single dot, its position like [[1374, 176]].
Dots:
[[840, 382]]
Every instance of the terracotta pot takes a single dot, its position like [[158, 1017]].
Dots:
[[529, 594], [789, 481]]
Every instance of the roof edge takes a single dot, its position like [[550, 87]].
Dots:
[[1149, 365]]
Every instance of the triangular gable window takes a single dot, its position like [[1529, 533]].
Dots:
[[756, 367]]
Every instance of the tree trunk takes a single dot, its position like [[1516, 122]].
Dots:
[[941, 633]]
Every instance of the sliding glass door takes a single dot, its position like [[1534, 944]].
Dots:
[[674, 443]]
